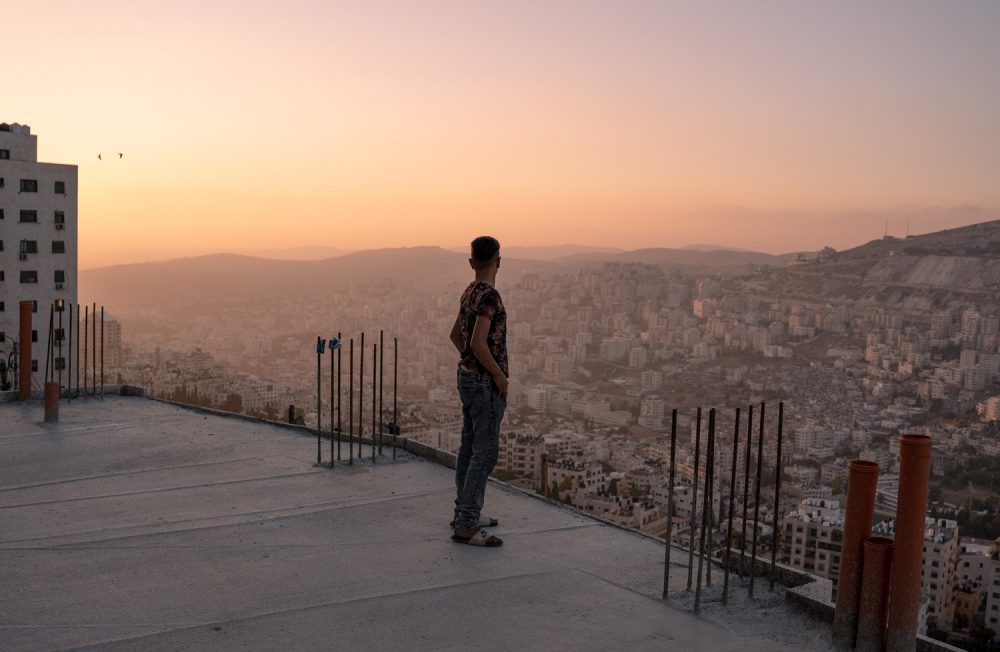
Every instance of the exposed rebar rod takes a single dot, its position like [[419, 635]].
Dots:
[[93, 367], [340, 395], [374, 393], [746, 492], [350, 408], [76, 369], [381, 369], [670, 504], [102, 353], [706, 508], [48, 345], [69, 355], [711, 496], [694, 501], [732, 497], [361, 396], [777, 495], [333, 400], [395, 384], [86, 339], [756, 500], [319, 400], [59, 356]]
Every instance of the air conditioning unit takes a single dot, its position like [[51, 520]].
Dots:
[[22, 256], [59, 286], [59, 226]]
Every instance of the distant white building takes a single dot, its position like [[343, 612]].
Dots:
[[38, 243]]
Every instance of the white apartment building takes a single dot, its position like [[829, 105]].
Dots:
[[522, 454], [813, 536], [989, 410], [38, 242], [939, 572]]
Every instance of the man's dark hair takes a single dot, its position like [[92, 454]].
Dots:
[[485, 249]]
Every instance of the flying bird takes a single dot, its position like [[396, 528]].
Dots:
[[99, 158], [120, 154]]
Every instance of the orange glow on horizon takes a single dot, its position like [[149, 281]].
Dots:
[[246, 127]]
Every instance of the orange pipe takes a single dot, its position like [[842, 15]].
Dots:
[[861, 480], [51, 402], [877, 565], [24, 361], [908, 552]]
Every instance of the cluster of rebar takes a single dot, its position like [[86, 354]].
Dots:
[[378, 425], [705, 547], [87, 339]]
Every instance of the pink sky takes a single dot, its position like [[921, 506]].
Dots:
[[252, 125]]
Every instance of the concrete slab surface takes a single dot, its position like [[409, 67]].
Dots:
[[135, 524]]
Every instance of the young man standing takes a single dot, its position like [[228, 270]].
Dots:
[[480, 335]]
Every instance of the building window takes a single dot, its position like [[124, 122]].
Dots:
[[34, 365], [1, 274], [1, 306], [1, 210], [3, 336], [60, 364], [59, 218], [60, 187], [60, 334], [1, 245], [29, 185], [2, 182], [34, 336], [58, 247], [29, 276], [4, 154], [29, 246], [60, 276], [34, 306], [29, 216]]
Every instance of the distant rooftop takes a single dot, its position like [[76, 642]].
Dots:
[[136, 524]]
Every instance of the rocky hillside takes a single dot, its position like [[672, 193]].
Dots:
[[919, 273]]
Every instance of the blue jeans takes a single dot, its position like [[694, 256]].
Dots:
[[482, 412]]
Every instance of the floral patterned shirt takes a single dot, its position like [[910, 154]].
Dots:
[[481, 299]]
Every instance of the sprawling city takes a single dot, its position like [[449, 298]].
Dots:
[[741, 320]]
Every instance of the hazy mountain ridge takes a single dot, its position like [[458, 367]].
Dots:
[[919, 272], [216, 277]]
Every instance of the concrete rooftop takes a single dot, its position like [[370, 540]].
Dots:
[[136, 524]]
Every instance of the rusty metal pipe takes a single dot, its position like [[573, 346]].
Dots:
[[746, 491], [670, 503], [395, 385], [340, 395], [732, 497], [706, 509], [51, 402], [908, 549], [776, 532], [381, 373], [694, 501], [350, 408], [756, 500], [69, 355], [361, 395], [861, 481], [874, 605], [710, 494]]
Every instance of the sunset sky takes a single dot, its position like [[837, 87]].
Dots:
[[251, 125]]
